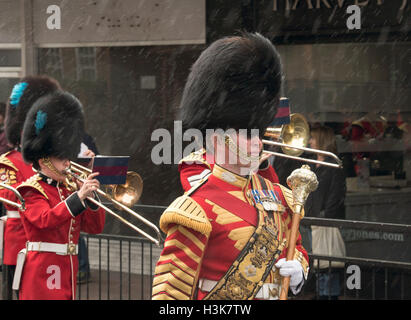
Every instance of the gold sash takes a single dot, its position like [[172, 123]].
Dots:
[[246, 275]]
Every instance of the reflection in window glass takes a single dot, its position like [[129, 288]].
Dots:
[[327, 81], [86, 63], [10, 57]]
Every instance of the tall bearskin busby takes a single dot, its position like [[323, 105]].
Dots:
[[22, 97], [235, 83], [54, 127]]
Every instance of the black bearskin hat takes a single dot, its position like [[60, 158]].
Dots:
[[54, 127], [22, 97], [235, 83]]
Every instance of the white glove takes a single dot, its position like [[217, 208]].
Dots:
[[294, 270]]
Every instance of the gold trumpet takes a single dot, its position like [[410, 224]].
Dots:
[[293, 139], [123, 196], [21, 206]]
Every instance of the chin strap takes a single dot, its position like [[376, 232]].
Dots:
[[238, 151], [68, 182]]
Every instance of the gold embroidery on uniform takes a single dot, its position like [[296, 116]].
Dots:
[[12, 176], [241, 236], [4, 177], [177, 261], [33, 183], [5, 161], [241, 282], [254, 264], [239, 195], [169, 267], [7, 176], [183, 247], [175, 282], [223, 216], [187, 212], [191, 236], [175, 294]]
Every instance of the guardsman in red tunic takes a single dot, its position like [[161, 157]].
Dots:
[[55, 213], [13, 169], [227, 236]]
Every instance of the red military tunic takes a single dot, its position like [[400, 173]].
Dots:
[[13, 171], [54, 215], [205, 238], [198, 164]]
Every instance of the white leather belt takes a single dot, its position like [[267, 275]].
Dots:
[[269, 291], [58, 248], [13, 214]]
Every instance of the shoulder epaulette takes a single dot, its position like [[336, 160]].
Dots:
[[288, 196], [187, 212], [5, 161], [196, 157], [32, 182]]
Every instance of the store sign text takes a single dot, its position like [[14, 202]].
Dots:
[[330, 4]]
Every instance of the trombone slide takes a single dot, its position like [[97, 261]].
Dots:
[[122, 206], [325, 153], [21, 206]]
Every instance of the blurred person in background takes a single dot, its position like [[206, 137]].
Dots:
[[326, 202]]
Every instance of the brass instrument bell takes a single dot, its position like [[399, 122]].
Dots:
[[130, 192], [295, 134]]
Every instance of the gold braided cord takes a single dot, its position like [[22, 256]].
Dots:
[[238, 151]]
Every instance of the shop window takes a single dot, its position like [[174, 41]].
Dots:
[[86, 63], [53, 65], [10, 63]]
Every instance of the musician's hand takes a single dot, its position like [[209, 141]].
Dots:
[[89, 186], [292, 269], [88, 154], [263, 158]]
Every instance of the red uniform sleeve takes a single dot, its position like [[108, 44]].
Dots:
[[177, 269], [92, 221], [39, 213]]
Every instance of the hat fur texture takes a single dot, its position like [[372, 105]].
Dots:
[[54, 127]]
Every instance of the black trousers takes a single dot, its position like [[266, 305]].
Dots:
[[7, 282]]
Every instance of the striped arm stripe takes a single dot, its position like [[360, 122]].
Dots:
[[176, 261], [173, 244], [168, 289], [192, 237], [162, 296], [182, 247], [176, 271], [174, 281], [182, 256]]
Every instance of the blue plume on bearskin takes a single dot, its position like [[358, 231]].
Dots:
[[17, 92], [41, 120]]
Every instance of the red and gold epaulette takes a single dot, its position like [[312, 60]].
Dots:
[[32, 182], [186, 212], [195, 157], [288, 196], [8, 171], [5, 161]]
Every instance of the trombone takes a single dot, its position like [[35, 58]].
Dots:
[[293, 139], [129, 193], [21, 206]]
